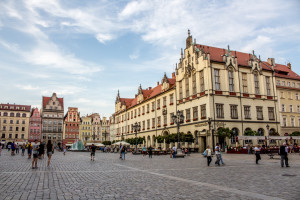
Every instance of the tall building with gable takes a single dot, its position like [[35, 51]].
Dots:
[[35, 125], [52, 113], [71, 126]]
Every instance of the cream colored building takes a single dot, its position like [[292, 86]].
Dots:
[[212, 85], [85, 129], [105, 129], [96, 127], [288, 88], [14, 123], [112, 128]]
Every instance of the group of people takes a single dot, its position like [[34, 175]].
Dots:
[[144, 151], [15, 148], [208, 154]]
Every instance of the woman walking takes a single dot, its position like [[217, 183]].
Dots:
[[257, 153], [50, 150]]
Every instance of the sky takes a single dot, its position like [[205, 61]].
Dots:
[[86, 51]]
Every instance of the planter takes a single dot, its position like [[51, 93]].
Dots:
[[171, 104], [195, 119], [171, 123], [188, 120]]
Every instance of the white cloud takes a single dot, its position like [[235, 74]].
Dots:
[[27, 87], [103, 37]]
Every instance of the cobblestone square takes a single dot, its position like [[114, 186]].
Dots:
[[75, 176]]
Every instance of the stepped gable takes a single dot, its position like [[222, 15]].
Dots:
[[46, 100]]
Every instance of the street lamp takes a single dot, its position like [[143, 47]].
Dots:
[[136, 127], [178, 119], [268, 127], [212, 133], [105, 136]]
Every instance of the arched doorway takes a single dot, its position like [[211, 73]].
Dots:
[[261, 132], [165, 133], [246, 133]]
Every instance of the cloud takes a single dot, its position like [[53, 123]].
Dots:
[[103, 37], [27, 87], [135, 55]]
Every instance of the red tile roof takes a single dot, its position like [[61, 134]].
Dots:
[[46, 100], [13, 107]]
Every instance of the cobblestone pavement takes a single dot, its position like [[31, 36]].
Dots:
[[75, 176]]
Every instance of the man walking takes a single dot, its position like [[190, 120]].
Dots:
[[221, 158], [123, 149], [283, 152], [174, 151], [208, 155], [35, 153], [217, 152], [93, 151], [150, 151]]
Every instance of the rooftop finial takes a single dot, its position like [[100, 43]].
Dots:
[[189, 32]]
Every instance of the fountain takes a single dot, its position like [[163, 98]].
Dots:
[[77, 146]]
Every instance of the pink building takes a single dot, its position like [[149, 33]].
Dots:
[[35, 125]]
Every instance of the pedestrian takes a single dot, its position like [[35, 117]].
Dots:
[[23, 149], [93, 151], [257, 153], [249, 148], [121, 146], [283, 152], [35, 153], [29, 150], [41, 151], [123, 149], [217, 152], [186, 151], [221, 157], [50, 151], [144, 150], [0, 149], [208, 155], [150, 151], [8, 147], [64, 149], [13, 148], [174, 151], [17, 148]]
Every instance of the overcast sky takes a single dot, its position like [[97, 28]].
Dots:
[[86, 50]]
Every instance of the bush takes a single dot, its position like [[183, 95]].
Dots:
[[295, 133]]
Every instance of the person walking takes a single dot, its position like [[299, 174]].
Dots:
[[0, 149], [29, 150], [144, 151], [41, 151], [35, 153], [8, 147], [50, 151], [208, 155], [123, 149], [13, 148], [221, 157], [17, 148], [217, 152], [64, 149], [23, 149], [93, 151], [174, 151], [283, 152], [150, 151], [257, 153]]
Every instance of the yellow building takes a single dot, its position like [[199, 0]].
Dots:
[[14, 123], [288, 88], [85, 129], [213, 88]]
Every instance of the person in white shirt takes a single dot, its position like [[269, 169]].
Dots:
[[257, 153], [208, 155], [217, 152], [174, 151]]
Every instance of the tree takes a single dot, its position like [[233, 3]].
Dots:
[[224, 132], [295, 133]]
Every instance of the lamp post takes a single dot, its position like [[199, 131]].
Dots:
[[178, 119], [136, 127], [105, 136], [268, 127], [212, 133]]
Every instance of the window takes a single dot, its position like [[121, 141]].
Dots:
[[165, 120], [244, 82], [153, 122], [11, 114], [231, 80], [139, 111], [271, 113], [298, 108], [283, 107], [148, 123], [164, 102], [268, 85], [11, 121], [299, 122], [143, 111], [283, 83], [158, 104], [256, 83], [171, 99], [292, 122], [158, 121], [148, 107], [259, 111], [202, 86], [203, 111], [180, 90], [66, 136], [134, 112], [5, 114], [10, 128], [293, 84], [194, 84], [195, 113], [188, 115], [187, 88], [233, 111], [291, 108], [298, 85], [278, 82], [247, 112], [288, 84], [4, 128], [10, 135], [220, 110], [297, 96], [4, 121], [217, 79]]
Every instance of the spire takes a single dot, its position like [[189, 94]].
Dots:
[[189, 33], [181, 54]]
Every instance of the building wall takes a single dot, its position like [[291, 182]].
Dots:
[[14, 123], [35, 126], [85, 129], [71, 126]]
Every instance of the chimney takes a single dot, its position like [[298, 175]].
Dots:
[[271, 61], [150, 88], [173, 75], [289, 65], [157, 83]]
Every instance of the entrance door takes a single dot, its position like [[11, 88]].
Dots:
[[202, 143]]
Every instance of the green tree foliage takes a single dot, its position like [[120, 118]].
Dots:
[[295, 133], [224, 132], [107, 143], [172, 138]]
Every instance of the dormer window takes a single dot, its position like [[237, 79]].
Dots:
[[256, 83]]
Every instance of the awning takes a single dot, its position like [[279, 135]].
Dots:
[[251, 137], [96, 144], [270, 138], [68, 145], [2, 142]]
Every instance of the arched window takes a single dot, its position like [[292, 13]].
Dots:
[[12, 114], [260, 132], [5, 114], [23, 115], [231, 80], [18, 115]]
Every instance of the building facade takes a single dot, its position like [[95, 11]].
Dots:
[[213, 88], [288, 88], [71, 126], [105, 129], [112, 128], [52, 119], [96, 127], [85, 129], [14, 123], [35, 126]]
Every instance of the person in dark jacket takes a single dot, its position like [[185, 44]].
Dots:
[[283, 152], [150, 152]]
